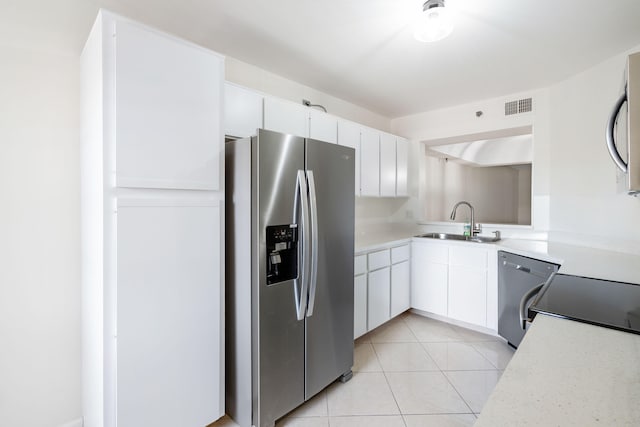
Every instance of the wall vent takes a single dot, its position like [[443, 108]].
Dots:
[[516, 107]]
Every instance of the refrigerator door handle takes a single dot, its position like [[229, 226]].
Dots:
[[314, 242], [611, 143], [301, 198]]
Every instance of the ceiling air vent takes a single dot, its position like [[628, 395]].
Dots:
[[517, 107]]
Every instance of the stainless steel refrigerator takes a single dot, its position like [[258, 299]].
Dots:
[[289, 273]]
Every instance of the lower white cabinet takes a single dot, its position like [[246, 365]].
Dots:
[[382, 287], [468, 284], [400, 288], [452, 280], [429, 277], [360, 305], [468, 295], [379, 297]]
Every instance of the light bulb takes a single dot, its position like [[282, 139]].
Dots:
[[434, 24]]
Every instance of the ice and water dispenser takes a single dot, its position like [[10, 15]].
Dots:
[[282, 253]]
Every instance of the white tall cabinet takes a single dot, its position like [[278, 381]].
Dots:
[[152, 228]]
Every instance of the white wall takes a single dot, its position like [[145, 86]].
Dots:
[[584, 201], [494, 192], [462, 120], [524, 194], [39, 238], [574, 190]]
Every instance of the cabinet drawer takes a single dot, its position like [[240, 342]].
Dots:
[[379, 259], [468, 257], [399, 254], [359, 265], [430, 252]]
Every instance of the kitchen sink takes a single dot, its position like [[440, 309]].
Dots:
[[446, 236]]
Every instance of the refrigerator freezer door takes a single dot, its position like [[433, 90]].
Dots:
[[278, 335], [329, 329]]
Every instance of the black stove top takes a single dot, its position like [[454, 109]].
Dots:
[[605, 303]]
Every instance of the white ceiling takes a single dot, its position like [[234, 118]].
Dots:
[[363, 51]]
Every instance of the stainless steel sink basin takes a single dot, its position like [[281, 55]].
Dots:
[[445, 236]]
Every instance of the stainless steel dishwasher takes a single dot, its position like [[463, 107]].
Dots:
[[517, 275]]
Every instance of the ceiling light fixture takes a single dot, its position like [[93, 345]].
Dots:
[[435, 23]]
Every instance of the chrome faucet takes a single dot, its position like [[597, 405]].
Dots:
[[474, 228]]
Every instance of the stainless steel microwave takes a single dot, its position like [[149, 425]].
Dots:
[[623, 130]]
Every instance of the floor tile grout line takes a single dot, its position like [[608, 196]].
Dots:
[[390, 388], [483, 356], [457, 391]]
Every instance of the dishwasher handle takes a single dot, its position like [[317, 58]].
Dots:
[[524, 302], [525, 269], [524, 318]]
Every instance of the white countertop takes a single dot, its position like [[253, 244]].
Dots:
[[383, 237], [577, 260], [567, 373]]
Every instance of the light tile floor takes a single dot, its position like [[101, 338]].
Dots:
[[409, 372]]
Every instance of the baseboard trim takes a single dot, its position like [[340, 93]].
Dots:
[[79, 422]]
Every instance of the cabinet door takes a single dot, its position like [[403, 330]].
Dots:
[[322, 126], [286, 117], [492, 289], [379, 297], [400, 288], [168, 111], [387, 165], [429, 279], [468, 294], [349, 135], [360, 306], [168, 313], [402, 166], [242, 111], [369, 162]]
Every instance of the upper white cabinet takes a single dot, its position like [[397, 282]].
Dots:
[[286, 117], [387, 165], [381, 158], [369, 162], [322, 126], [242, 111], [349, 135], [297, 119], [383, 164], [168, 104], [402, 161]]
